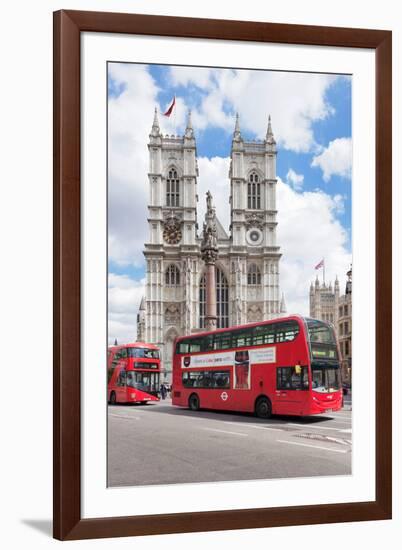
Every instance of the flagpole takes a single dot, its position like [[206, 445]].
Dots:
[[323, 271], [174, 115]]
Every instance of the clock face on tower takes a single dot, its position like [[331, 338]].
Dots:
[[254, 236], [172, 233]]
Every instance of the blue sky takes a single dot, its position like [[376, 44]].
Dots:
[[311, 119]]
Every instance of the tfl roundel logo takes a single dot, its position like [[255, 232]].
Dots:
[[224, 396]]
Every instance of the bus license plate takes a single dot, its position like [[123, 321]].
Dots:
[[329, 410]]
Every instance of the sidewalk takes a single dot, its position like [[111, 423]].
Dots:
[[347, 402]]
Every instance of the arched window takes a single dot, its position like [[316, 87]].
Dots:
[[172, 188], [253, 275], [172, 276], [222, 300], [254, 192]]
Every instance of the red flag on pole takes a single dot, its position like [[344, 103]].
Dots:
[[320, 264], [170, 109]]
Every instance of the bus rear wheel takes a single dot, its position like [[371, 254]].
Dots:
[[263, 407], [194, 402], [112, 400]]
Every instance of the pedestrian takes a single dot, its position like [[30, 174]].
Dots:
[[163, 391]]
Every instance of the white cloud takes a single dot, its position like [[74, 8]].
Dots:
[[124, 297], [130, 120], [336, 159], [255, 94], [200, 77], [214, 177], [339, 203], [308, 231], [294, 179]]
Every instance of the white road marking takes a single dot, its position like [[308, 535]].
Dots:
[[349, 431], [345, 422], [124, 416], [312, 446], [245, 424], [128, 411], [224, 432], [314, 427]]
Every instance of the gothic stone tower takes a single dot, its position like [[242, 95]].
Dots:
[[247, 267], [324, 302], [172, 250], [254, 252]]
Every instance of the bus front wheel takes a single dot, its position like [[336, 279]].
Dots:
[[194, 402], [112, 398], [263, 408]]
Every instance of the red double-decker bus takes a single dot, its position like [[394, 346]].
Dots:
[[286, 366], [133, 373]]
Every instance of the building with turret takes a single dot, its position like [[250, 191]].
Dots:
[[328, 305], [247, 266], [324, 301], [345, 329]]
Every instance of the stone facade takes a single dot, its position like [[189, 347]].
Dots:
[[327, 305], [247, 267], [324, 301], [345, 329]]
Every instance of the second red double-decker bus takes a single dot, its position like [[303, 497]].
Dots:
[[133, 373], [286, 366]]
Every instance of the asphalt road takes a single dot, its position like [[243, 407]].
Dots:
[[158, 444]]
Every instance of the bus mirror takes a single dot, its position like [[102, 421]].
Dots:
[[298, 369]]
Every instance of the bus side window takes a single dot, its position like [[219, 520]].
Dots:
[[121, 380], [241, 338], [288, 379], [286, 332], [284, 378], [258, 336], [182, 347], [269, 335], [194, 348], [207, 380], [194, 345], [221, 379], [208, 343], [264, 334], [116, 358], [223, 340], [305, 384]]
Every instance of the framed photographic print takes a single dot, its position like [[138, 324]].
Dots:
[[216, 185]]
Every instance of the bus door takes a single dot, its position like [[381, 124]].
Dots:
[[290, 394], [121, 385]]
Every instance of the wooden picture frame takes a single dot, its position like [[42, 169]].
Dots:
[[68, 26]]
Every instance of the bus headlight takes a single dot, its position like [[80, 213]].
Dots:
[[133, 395]]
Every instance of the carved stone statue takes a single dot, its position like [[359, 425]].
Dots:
[[209, 245], [209, 201]]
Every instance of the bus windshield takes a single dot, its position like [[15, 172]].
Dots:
[[145, 381], [143, 353], [325, 378], [320, 333]]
